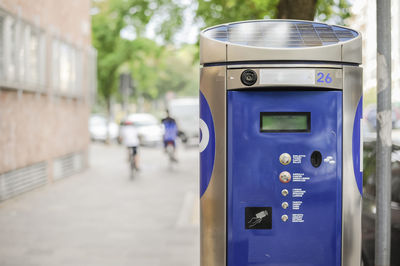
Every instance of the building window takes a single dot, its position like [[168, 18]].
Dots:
[[2, 46], [92, 77], [67, 65], [23, 60], [79, 73], [42, 60], [10, 49], [33, 58], [55, 75], [22, 54], [22, 36]]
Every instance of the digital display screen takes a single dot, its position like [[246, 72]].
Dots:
[[285, 122]]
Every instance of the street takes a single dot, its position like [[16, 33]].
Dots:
[[100, 217]]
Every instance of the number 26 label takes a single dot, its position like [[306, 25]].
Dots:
[[324, 78]]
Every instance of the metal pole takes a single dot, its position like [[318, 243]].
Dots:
[[384, 138]]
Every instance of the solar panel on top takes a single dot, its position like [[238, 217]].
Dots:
[[280, 34]]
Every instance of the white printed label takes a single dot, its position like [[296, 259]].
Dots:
[[296, 204], [297, 218], [298, 158], [287, 76], [330, 160], [298, 192], [299, 177]]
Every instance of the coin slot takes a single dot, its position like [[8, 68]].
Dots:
[[316, 159]]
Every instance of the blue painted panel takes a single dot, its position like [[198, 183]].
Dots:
[[357, 166], [206, 145], [253, 180]]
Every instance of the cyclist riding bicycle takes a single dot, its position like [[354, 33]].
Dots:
[[170, 134], [131, 140]]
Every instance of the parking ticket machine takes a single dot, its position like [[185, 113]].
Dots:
[[281, 145]]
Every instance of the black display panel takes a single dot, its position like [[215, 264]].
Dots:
[[285, 122]]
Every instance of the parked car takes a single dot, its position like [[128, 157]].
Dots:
[[149, 128], [369, 206], [185, 111], [98, 128]]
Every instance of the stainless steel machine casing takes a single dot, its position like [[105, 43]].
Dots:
[[222, 64]]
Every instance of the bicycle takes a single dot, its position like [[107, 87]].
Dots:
[[170, 149], [132, 162]]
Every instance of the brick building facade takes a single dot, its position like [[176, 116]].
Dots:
[[47, 82]]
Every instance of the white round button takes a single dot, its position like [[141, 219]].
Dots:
[[285, 177], [285, 205], [284, 217], [285, 192], [285, 158]]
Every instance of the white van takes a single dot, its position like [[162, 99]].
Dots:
[[185, 111]]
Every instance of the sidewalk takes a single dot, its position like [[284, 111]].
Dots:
[[100, 217]]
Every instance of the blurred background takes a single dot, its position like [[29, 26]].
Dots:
[[74, 73]]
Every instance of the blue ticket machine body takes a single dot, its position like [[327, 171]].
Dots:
[[307, 220]]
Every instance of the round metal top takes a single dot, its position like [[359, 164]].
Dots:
[[280, 33]]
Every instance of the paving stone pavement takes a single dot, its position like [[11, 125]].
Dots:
[[100, 217]]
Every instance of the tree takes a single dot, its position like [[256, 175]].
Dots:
[[213, 12], [179, 74], [158, 69], [111, 18]]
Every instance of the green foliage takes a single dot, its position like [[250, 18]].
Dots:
[[114, 16], [213, 12], [157, 68], [179, 73], [369, 97], [335, 10]]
